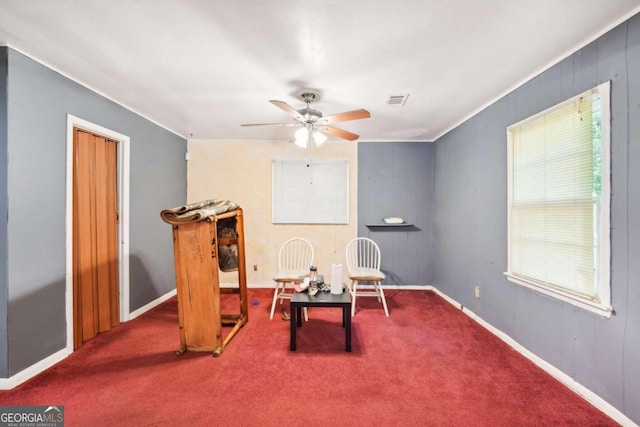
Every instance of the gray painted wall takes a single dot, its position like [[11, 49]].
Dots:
[[39, 100], [396, 179], [3, 209], [470, 224]]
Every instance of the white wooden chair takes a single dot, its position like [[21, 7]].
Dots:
[[363, 264], [294, 259]]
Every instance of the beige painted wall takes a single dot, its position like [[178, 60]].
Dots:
[[240, 171]]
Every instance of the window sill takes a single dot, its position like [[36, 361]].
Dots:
[[604, 310]]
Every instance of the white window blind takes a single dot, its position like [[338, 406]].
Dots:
[[557, 231], [310, 192]]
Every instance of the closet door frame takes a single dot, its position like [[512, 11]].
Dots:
[[122, 165]]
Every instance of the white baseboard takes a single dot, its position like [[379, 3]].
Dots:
[[565, 379], [271, 285], [33, 370], [151, 305]]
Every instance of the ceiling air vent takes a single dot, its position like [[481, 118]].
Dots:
[[397, 100]]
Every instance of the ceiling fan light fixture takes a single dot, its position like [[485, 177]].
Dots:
[[302, 136], [319, 138]]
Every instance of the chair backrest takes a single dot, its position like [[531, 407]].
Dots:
[[363, 252], [296, 254]]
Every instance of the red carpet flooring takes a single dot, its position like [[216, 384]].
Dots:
[[426, 365]]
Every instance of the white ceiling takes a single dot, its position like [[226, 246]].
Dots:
[[200, 68]]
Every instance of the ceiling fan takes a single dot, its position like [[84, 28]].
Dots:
[[314, 124]]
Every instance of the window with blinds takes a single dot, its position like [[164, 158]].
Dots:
[[558, 201]]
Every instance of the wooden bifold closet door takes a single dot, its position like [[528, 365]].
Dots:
[[95, 236]]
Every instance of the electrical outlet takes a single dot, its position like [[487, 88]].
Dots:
[[476, 291], [255, 267]]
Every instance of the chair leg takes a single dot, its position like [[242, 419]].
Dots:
[[306, 315], [275, 299], [354, 285], [381, 295]]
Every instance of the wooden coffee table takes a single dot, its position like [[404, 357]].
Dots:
[[321, 299]]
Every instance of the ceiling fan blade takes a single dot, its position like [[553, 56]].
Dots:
[[273, 124], [348, 115], [287, 109], [340, 133]]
